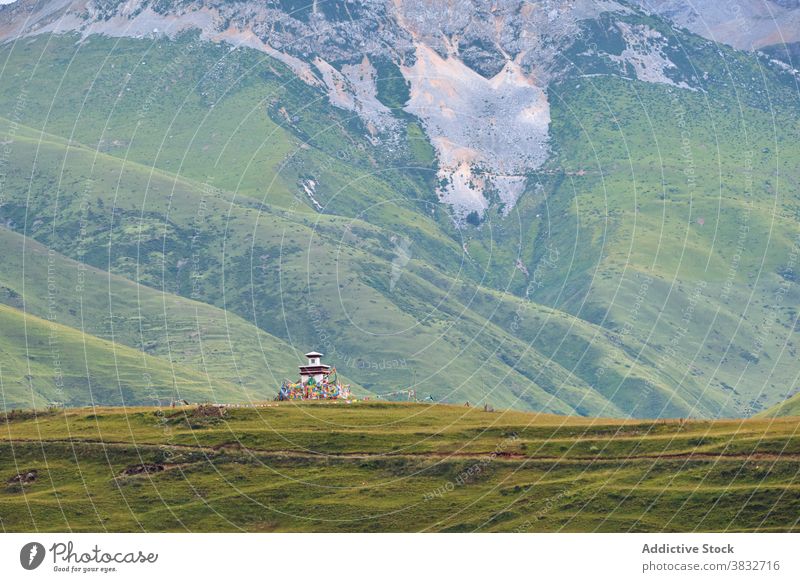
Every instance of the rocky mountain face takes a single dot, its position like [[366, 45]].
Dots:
[[744, 24], [477, 72]]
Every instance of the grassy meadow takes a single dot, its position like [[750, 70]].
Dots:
[[393, 467]]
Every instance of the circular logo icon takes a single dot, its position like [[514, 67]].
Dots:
[[31, 555]]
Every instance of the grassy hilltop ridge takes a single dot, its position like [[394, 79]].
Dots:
[[789, 407], [393, 467]]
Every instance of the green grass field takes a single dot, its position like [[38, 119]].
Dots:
[[393, 467]]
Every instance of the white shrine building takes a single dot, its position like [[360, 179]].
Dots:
[[314, 369]]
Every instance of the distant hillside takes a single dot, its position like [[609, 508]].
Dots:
[[189, 333], [590, 211], [44, 362]]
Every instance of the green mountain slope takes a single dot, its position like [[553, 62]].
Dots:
[[789, 407], [44, 362], [190, 333], [646, 271], [685, 217], [512, 364]]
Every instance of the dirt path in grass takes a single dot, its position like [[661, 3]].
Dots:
[[238, 449]]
